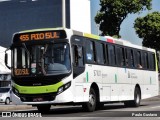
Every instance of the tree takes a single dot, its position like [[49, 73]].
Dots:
[[148, 28], [113, 12]]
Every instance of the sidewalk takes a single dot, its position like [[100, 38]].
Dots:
[[156, 98], [5, 108]]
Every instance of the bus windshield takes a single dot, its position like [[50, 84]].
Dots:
[[47, 59]]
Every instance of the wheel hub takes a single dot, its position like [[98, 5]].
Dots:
[[91, 100]]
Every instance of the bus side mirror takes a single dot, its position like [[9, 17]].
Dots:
[[6, 59]]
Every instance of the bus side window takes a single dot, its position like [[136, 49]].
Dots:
[[135, 58], [100, 53], [152, 61], [111, 55], [123, 57], [145, 60], [106, 54], [139, 61], [78, 56], [130, 58], [127, 57], [120, 56], [90, 52]]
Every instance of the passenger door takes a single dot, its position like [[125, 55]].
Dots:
[[77, 55], [78, 68]]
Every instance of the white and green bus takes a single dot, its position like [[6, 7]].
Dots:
[[63, 66]]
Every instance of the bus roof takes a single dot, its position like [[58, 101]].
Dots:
[[108, 39]]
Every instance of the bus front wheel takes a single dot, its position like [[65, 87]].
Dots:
[[91, 104]]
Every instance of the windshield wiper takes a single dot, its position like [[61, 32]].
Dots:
[[24, 45], [42, 59]]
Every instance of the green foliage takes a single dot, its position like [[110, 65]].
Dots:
[[113, 12], [148, 28]]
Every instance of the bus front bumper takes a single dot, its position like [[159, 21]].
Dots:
[[63, 97]]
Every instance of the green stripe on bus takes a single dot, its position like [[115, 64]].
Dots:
[[115, 78], [38, 89], [87, 78], [150, 80]]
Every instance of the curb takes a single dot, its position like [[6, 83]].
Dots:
[[156, 98], [15, 107], [6, 108]]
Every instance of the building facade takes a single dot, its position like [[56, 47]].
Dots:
[[19, 15]]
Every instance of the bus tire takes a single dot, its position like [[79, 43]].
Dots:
[[90, 106], [43, 108], [137, 99]]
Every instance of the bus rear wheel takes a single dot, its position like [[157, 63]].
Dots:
[[137, 99], [43, 108], [91, 104]]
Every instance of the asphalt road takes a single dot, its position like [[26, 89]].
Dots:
[[148, 110]]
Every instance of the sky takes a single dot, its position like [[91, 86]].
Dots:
[[127, 31]]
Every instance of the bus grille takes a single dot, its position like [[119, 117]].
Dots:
[[38, 97]]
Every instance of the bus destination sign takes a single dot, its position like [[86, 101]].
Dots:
[[39, 36], [35, 36]]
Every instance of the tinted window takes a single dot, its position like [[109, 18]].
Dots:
[[130, 58], [145, 60], [139, 62], [120, 56], [78, 55], [111, 55], [152, 61], [90, 52], [100, 53]]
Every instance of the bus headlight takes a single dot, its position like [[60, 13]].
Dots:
[[64, 87], [60, 90], [67, 85]]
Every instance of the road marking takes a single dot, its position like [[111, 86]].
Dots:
[[95, 114], [155, 107]]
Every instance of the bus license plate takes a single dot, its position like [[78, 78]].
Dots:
[[37, 99]]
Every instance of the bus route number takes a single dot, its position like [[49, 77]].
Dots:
[[39, 36]]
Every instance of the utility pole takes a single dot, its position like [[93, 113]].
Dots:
[[64, 13]]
